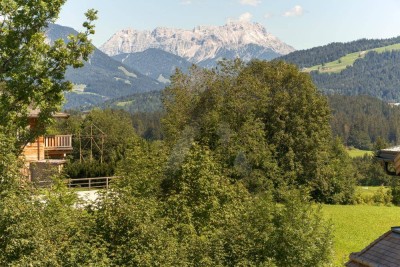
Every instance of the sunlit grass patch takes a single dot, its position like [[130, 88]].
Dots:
[[355, 227]]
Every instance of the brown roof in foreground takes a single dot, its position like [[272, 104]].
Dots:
[[383, 252]]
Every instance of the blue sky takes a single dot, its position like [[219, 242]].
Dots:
[[302, 23]]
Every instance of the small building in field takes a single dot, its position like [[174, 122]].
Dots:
[[47, 152], [383, 252]]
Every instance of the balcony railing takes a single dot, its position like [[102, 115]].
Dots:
[[55, 142]]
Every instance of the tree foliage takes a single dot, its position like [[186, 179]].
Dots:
[[47, 230], [265, 122], [205, 197], [188, 213], [101, 139], [32, 69]]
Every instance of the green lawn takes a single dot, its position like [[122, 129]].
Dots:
[[354, 152], [357, 226], [348, 60]]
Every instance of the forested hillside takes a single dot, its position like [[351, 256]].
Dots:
[[140, 102], [377, 74], [374, 73], [331, 52], [361, 120]]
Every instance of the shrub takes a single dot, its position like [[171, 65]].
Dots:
[[382, 196], [395, 190], [89, 169]]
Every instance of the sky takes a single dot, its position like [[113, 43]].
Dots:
[[302, 23]]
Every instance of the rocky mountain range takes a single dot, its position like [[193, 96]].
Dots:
[[203, 45], [134, 61]]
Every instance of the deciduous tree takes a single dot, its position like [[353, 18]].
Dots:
[[32, 68], [264, 121]]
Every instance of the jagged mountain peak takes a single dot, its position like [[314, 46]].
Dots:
[[200, 43]]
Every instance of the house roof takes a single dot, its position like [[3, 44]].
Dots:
[[388, 154], [383, 252]]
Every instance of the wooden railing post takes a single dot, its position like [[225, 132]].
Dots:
[[58, 141]]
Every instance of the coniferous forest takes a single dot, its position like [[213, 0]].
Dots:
[[377, 75], [333, 51]]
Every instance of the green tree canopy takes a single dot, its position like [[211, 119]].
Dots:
[[32, 68], [169, 212], [101, 138], [265, 121]]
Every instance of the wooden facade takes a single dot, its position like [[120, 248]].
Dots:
[[46, 151], [48, 147]]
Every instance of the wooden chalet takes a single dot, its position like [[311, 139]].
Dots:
[[46, 152], [383, 252]]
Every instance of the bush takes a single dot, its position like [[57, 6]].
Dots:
[[370, 172], [89, 169], [382, 196], [395, 190]]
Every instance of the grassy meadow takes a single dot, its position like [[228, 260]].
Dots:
[[354, 152], [357, 226], [348, 60]]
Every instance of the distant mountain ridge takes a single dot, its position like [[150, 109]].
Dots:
[[102, 77], [154, 63], [203, 43]]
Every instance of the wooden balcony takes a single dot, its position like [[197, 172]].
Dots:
[[58, 142]]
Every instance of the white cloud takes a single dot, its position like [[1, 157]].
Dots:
[[250, 2], [294, 12], [245, 17], [186, 2]]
